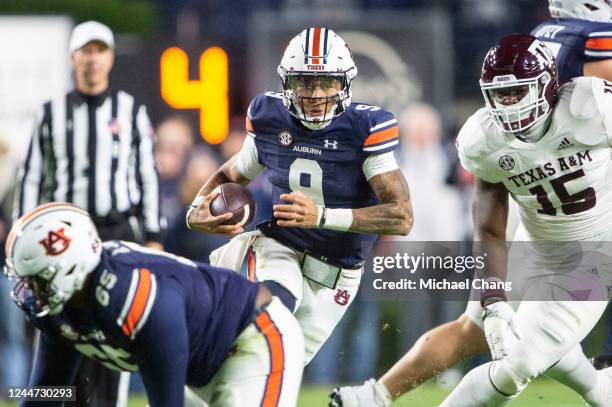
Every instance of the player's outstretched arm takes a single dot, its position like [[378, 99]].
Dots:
[[199, 217], [163, 348], [490, 219], [490, 212], [55, 365], [393, 216]]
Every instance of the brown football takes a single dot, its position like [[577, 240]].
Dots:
[[236, 199]]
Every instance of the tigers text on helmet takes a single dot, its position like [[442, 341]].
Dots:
[[519, 82], [593, 10], [316, 72], [50, 251]]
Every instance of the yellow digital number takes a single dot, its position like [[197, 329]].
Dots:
[[208, 94]]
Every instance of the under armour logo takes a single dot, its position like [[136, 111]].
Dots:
[[331, 144], [342, 296], [56, 242]]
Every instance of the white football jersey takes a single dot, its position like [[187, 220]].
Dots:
[[563, 182]]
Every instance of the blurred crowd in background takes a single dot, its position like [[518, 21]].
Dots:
[[374, 333]]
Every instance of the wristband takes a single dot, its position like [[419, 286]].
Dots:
[[337, 219], [321, 215], [491, 295], [196, 202]]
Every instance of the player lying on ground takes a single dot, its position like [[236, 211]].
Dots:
[[336, 185], [521, 129], [178, 322]]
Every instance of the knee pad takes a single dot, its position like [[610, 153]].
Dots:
[[511, 375]]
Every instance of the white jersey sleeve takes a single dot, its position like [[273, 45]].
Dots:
[[474, 147], [602, 90], [247, 160], [590, 100], [377, 164]]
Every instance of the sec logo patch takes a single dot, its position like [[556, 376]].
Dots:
[[506, 162], [285, 138]]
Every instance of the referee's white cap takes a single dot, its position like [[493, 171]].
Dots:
[[89, 31]]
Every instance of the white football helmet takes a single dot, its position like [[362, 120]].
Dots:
[[51, 250], [593, 10], [320, 53]]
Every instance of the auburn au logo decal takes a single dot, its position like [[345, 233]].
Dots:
[[56, 242]]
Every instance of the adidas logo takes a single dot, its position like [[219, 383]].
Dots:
[[565, 143]]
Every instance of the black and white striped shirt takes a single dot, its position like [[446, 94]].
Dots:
[[96, 152]]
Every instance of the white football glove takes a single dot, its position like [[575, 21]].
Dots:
[[369, 394], [500, 328]]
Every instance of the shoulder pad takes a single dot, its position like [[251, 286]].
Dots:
[[579, 95], [378, 128], [260, 105], [477, 140]]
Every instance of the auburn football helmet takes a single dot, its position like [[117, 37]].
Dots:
[[317, 57], [50, 251]]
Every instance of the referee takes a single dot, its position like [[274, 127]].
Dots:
[[94, 147]]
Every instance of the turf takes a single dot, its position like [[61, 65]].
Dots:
[[543, 392]]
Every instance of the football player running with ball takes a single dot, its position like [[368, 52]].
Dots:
[[178, 322], [336, 185]]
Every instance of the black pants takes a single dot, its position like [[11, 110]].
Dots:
[[97, 386]]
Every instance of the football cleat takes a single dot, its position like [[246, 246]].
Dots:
[[370, 394], [601, 362]]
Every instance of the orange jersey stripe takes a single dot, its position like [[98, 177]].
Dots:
[[277, 360], [316, 42], [249, 125], [251, 264], [382, 135], [140, 302], [599, 43]]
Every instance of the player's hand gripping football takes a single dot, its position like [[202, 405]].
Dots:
[[302, 212], [501, 330], [199, 217]]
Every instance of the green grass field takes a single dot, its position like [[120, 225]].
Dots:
[[543, 392]]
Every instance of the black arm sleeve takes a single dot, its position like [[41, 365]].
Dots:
[[163, 348], [56, 365]]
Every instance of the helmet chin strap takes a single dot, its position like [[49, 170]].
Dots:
[[537, 131]]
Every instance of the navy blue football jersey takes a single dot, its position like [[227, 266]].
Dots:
[[575, 42], [325, 165], [172, 319]]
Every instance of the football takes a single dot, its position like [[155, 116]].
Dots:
[[236, 199]]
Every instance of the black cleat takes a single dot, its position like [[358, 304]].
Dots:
[[601, 362], [334, 398]]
